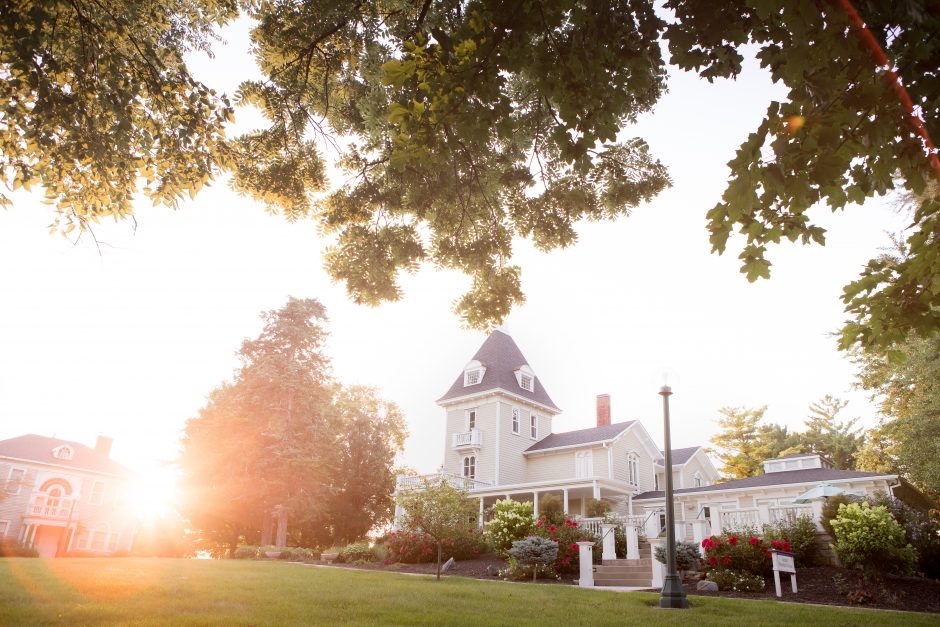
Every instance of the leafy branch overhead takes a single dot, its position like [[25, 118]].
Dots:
[[462, 125]]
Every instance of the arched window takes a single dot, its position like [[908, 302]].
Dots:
[[63, 452], [633, 468], [470, 467], [583, 464]]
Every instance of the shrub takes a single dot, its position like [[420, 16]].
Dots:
[[412, 547], [830, 510], [517, 572], [552, 508], [736, 580], [870, 537], [509, 521], [687, 555], [597, 508], [9, 548], [533, 552], [246, 553], [566, 536], [921, 530], [356, 552], [800, 534], [740, 553]]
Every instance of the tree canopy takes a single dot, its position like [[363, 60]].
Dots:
[[463, 124], [285, 433]]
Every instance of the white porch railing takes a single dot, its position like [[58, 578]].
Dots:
[[789, 512], [472, 438], [735, 519], [49, 507], [594, 524], [464, 483]]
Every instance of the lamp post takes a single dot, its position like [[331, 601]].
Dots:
[[673, 595]]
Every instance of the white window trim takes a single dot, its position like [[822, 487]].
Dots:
[[534, 426], [516, 420], [584, 464], [524, 370], [633, 469], [466, 420], [698, 481], [4, 528], [56, 452], [107, 537], [473, 368], [467, 464], [19, 487], [656, 481], [91, 495]]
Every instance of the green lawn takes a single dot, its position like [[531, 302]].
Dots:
[[180, 592]]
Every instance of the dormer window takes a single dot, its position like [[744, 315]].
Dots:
[[525, 377], [63, 452], [473, 373]]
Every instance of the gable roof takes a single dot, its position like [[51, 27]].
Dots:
[[807, 475], [38, 448], [501, 357], [680, 456], [581, 436]]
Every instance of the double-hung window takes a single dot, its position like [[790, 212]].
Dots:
[[533, 426], [515, 420]]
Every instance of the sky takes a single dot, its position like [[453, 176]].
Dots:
[[129, 340]]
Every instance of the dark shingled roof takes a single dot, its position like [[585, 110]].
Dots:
[[680, 455], [502, 358], [807, 475], [39, 448], [581, 436]]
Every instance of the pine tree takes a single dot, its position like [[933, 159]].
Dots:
[[836, 440]]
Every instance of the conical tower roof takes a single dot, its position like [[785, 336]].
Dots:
[[501, 358]]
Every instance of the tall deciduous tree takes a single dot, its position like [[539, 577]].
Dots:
[[908, 392], [839, 441], [284, 433], [466, 123]]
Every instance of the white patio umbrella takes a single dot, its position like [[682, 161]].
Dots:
[[821, 491]]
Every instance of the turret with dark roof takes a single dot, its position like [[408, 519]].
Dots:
[[500, 359]]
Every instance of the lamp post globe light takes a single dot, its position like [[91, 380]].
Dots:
[[672, 595]]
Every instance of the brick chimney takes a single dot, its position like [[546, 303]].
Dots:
[[103, 445], [603, 410]]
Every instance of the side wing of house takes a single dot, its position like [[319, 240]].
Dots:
[[633, 456]]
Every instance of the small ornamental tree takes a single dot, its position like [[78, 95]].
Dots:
[[687, 555], [534, 551], [438, 510]]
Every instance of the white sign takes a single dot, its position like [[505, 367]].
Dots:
[[783, 563]]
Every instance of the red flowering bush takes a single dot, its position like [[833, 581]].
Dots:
[[740, 553], [411, 547], [567, 534]]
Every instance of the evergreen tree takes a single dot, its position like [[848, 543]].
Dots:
[[738, 444], [825, 434]]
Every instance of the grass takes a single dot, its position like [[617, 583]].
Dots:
[[204, 592]]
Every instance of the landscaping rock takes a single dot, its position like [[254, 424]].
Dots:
[[492, 571], [706, 586]]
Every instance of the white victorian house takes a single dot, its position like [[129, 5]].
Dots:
[[63, 497], [500, 443]]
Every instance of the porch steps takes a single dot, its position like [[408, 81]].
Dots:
[[623, 572]]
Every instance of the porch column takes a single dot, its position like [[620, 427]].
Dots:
[[24, 533], [763, 513], [607, 542], [398, 513], [630, 504], [633, 543], [32, 539], [565, 497], [658, 567], [716, 520], [481, 513], [586, 564], [817, 514], [680, 531], [698, 530], [597, 490], [535, 505], [71, 532], [652, 525]]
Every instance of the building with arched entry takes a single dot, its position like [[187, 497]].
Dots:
[[64, 498]]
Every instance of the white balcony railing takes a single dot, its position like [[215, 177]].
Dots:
[[471, 439], [49, 507], [464, 483]]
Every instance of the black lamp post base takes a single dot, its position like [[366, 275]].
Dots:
[[673, 595]]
